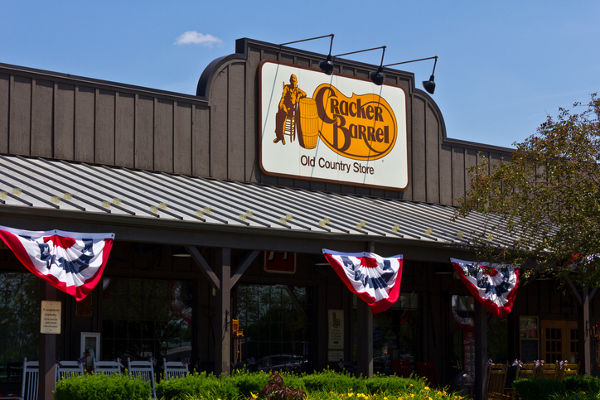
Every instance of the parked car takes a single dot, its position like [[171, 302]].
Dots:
[[281, 362]]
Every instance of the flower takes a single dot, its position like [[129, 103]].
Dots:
[[254, 396]]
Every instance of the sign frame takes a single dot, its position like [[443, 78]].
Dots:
[[279, 262], [322, 163], [336, 329], [50, 317], [90, 340]]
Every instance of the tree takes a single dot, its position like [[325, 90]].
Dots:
[[546, 197]]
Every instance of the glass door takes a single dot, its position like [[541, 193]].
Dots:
[[559, 341]]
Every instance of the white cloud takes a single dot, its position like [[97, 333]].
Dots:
[[193, 37]]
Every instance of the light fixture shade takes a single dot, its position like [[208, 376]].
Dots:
[[377, 76], [327, 66], [429, 85], [181, 252]]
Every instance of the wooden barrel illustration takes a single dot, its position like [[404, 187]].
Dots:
[[308, 126]]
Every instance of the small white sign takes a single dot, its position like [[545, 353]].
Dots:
[[336, 329], [50, 321], [335, 356]]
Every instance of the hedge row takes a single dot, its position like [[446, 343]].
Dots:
[[578, 387], [242, 385]]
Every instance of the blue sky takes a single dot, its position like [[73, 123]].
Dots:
[[503, 65]]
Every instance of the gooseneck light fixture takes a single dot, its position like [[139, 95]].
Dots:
[[325, 65], [375, 76], [428, 85]]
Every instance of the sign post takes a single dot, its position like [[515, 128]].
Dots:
[[50, 325]]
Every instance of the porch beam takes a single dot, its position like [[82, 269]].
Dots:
[[206, 270], [250, 257], [575, 291]]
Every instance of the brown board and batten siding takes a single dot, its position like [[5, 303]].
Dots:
[[436, 166], [79, 119], [214, 134]]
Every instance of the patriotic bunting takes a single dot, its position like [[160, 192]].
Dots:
[[461, 314], [69, 261], [578, 259], [494, 286], [374, 279]]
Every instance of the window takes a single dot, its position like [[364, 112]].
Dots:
[[278, 326], [395, 333], [463, 311], [19, 322], [144, 318]]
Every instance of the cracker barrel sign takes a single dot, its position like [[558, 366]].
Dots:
[[332, 128]]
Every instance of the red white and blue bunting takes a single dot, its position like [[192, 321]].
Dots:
[[70, 261], [373, 278], [495, 286], [587, 261], [461, 314]]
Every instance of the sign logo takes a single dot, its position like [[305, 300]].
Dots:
[[362, 127], [332, 128]]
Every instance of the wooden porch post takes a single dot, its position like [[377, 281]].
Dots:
[[364, 357], [587, 346], [480, 351], [223, 313], [222, 282], [47, 351], [364, 347], [584, 299]]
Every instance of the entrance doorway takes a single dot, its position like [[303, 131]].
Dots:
[[559, 341], [279, 327]]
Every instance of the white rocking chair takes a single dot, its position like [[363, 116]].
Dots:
[[107, 367], [67, 369], [143, 369], [31, 380], [175, 369]]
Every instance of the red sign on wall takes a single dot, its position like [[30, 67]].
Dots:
[[280, 262]]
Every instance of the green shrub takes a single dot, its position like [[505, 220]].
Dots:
[[573, 396], [537, 388], [392, 385], [249, 383], [243, 385], [582, 383], [331, 381], [197, 386], [240, 385], [293, 380], [102, 387]]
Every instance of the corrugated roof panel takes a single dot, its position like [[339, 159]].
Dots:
[[62, 185]]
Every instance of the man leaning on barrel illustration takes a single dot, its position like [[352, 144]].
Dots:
[[290, 96]]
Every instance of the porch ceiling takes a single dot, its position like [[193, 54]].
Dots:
[[92, 191]]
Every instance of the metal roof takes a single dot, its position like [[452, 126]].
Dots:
[[60, 185]]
